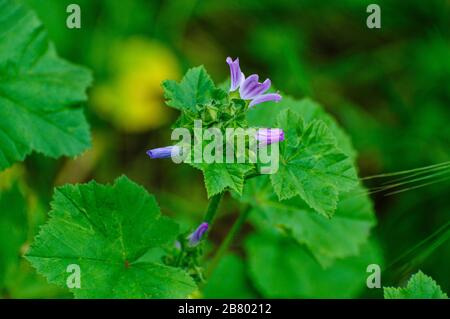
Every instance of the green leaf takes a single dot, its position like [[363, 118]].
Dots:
[[420, 286], [281, 268], [106, 230], [222, 176], [38, 92], [13, 230], [195, 88], [229, 280], [311, 165], [327, 239], [308, 110]]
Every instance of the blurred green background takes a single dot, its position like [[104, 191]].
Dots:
[[389, 88]]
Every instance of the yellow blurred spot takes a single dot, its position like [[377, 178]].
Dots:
[[133, 99]]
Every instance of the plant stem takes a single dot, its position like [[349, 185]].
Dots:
[[228, 239], [209, 216], [212, 208]]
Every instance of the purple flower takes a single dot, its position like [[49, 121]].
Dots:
[[266, 136], [196, 236], [236, 75], [250, 88], [164, 152]]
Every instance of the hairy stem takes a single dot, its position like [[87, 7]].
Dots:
[[223, 248], [212, 208]]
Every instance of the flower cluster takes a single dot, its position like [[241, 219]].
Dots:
[[249, 89]]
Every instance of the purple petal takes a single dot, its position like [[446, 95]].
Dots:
[[196, 236], [266, 136], [249, 83], [265, 98], [164, 152], [258, 89], [251, 88], [235, 73]]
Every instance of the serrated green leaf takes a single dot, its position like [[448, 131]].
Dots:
[[222, 176], [420, 286], [106, 230], [281, 268], [196, 87], [229, 280], [327, 239], [38, 92], [308, 110], [311, 165]]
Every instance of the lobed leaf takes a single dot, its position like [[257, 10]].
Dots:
[[327, 239], [311, 165], [195, 88], [38, 92], [308, 110], [420, 286], [107, 231]]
